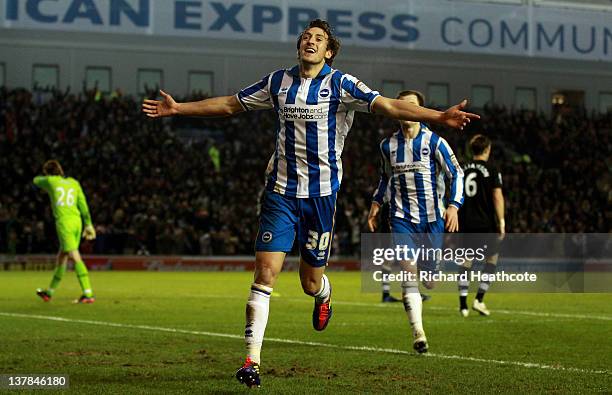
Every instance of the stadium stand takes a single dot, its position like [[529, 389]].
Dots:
[[173, 186]]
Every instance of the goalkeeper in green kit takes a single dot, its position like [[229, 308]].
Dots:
[[70, 211]]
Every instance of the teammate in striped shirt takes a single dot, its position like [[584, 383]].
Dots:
[[315, 105], [414, 161]]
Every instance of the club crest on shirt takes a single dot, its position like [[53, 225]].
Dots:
[[324, 93], [424, 151], [266, 237], [283, 91]]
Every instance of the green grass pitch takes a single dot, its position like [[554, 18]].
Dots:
[[151, 332]]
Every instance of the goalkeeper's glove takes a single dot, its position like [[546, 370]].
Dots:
[[89, 233]]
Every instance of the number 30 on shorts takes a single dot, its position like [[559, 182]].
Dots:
[[316, 242]]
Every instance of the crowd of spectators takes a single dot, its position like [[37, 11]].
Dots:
[[155, 187]]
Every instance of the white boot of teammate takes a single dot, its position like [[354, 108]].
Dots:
[[481, 308]]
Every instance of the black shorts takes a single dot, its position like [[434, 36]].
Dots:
[[478, 229], [485, 238]]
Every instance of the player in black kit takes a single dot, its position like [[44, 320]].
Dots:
[[482, 212]]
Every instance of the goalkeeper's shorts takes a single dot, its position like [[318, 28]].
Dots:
[[69, 234]]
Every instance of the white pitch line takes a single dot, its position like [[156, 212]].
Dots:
[[511, 312], [539, 314], [385, 305], [558, 315], [308, 343]]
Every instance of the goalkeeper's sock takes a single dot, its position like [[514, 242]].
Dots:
[[323, 294], [58, 274], [484, 285], [257, 311], [413, 305], [83, 276]]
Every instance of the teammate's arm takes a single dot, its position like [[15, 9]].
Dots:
[[402, 110], [372, 216], [498, 204], [357, 96], [89, 232], [446, 159], [221, 106], [379, 194]]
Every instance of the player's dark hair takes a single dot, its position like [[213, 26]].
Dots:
[[53, 168], [333, 43], [479, 144], [419, 95]]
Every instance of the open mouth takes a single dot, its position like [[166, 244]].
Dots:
[[310, 50]]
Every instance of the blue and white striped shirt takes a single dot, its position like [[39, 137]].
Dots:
[[314, 117], [412, 176]]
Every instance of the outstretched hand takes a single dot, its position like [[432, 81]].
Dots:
[[156, 108], [456, 118]]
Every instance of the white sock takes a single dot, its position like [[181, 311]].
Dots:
[[257, 310], [464, 287], [413, 304], [323, 293]]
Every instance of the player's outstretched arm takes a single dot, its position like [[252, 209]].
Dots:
[[454, 117], [221, 106]]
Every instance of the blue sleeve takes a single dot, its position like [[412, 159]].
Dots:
[[356, 95], [446, 159], [383, 182], [256, 96]]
